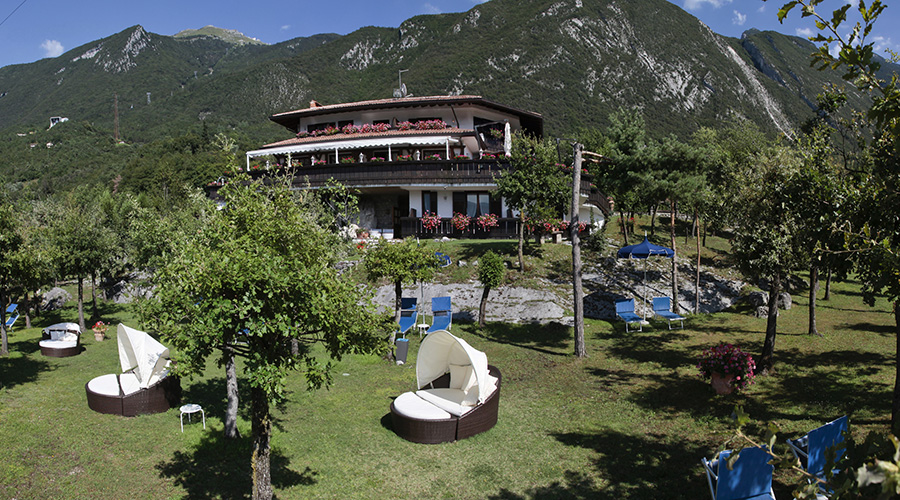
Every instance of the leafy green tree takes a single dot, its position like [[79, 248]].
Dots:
[[401, 262], [258, 280], [10, 241], [535, 186], [490, 273]]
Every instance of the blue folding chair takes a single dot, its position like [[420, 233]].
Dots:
[[662, 307], [442, 314], [749, 479], [408, 314], [625, 311], [12, 314], [810, 449]]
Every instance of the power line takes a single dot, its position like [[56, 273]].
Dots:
[[13, 12]]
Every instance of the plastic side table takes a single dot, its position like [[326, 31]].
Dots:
[[189, 409]]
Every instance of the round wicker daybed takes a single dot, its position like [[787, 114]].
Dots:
[[144, 385], [458, 396], [61, 340]]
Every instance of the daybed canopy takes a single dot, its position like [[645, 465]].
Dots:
[[143, 354], [441, 349]]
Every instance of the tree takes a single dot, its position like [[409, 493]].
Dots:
[[490, 273], [764, 244], [10, 241], [401, 262], [535, 186], [257, 277], [873, 232]]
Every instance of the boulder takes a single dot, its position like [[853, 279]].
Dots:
[[54, 299], [757, 299], [784, 301]]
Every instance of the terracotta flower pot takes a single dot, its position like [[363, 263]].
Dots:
[[98, 336], [722, 383]]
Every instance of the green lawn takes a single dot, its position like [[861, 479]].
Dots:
[[630, 421]]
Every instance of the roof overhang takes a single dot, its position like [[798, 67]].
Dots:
[[376, 142]]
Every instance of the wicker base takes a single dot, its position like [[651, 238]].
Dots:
[[476, 421], [157, 398], [64, 352]]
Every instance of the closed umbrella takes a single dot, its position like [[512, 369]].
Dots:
[[645, 250]]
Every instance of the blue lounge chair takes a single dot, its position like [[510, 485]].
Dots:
[[625, 310], [408, 314], [662, 307], [749, 479], [12, 314], [442, 314], [810, 449], [443, 258]]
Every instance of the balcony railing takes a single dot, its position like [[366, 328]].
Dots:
[[411, 173], [506, 228]]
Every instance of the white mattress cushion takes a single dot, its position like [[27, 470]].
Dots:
[[104, 384], [412, 406], [449, 400], [58, 344]]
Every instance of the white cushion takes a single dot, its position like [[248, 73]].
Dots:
[[449, 400], [104, 384], [462, 377], [58, 344], [412, 406]]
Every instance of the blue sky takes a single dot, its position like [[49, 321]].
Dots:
[[34, 29]]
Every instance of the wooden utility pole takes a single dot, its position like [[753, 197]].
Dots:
[[578, 293]]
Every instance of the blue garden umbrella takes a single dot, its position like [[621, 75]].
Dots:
[[644, 250]]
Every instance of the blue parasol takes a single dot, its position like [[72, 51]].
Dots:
[[644, 250]]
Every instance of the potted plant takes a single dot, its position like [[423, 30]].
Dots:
[[99, 329], [727, 367], [487, 221], [460, 221], [430, 221]]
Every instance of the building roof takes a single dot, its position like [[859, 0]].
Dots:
[[291, 119], [370, 135]]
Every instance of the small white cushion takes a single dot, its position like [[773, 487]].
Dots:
[[58, 344], [104, 384], [449, 400], [461, 377], [412, 406]]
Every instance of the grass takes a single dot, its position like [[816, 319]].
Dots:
[[630, 421]]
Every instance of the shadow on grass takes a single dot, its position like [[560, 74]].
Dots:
[[220, 468], [212, 396], [639, 466], [17, 368], [870, 328], [543, 339]]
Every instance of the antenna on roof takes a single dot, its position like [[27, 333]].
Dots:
[[401, 91]]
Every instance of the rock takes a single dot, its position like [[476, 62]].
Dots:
[[784, 301], [757, 299], [54, 299], [762, 312], [127, 288], [461, 263]]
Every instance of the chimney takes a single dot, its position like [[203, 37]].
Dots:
[[314, 104]]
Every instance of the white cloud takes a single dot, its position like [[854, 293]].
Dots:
[[286, 27], [52, 48], [739, 19], [804, 32], [882, 43], [431, 9], [698, 4]]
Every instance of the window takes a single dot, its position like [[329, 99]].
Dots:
[[474, 203], [343, 123], [429, 201], [318, 126]]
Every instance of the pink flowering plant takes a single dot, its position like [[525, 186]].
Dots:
[[728, 359], [430, 221], [460, 221], [486, 221]]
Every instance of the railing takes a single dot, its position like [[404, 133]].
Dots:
[[506, 228]]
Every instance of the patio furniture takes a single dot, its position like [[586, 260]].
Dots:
[[442, 314], [188, 410], [443, 259], [408, 314], [12, 314], [662, 307], [61, 340], [810, 448], [749, 479], [625, 311], [458, 396], [144, 385]]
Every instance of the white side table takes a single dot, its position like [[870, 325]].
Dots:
[[423, 327], [189, 409]]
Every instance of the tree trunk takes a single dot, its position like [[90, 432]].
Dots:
[[653, 220], [260, 462], [95, 316], [521, 241], [577, 292], [482, 308], [697, 274], [705, 228], [398, 295], [766, 363], [27, 310], [81, 303], [623, 223], [827, 285], [231, 391], [674, 265], [813, 290], [895, 406], [4, 341]]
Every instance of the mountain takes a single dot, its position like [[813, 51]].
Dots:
[[574, 61]]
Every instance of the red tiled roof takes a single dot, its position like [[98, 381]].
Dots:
[[351, 137], [400, 102]]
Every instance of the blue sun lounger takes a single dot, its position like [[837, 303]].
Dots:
[[625, 311], [442, 314], [749, 479], [408, 314], [810, 449], [662, 307], [12, 314]]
